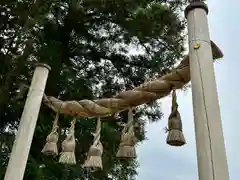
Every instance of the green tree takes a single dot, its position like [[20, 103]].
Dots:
[[95, 49]]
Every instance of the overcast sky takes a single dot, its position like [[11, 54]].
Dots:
[[157, 160]]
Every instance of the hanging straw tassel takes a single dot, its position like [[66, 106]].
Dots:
[[68, 147], [94, 159], [128, 140], [175, 135], [50, 147]]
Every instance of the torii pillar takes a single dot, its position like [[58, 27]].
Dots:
[[23, 139], [211, 155]]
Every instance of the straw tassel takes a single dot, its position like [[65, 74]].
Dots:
[[175, 135], [50, 147], [94, 158], [128, 139], [68, 147]]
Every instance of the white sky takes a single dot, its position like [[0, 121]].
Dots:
[[158, 160]]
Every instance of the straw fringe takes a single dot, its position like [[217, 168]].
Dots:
[[68, 147], [94, 159], [175, 135], [50, 147], [128, 139]]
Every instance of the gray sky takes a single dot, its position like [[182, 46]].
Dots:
[[158, 160]]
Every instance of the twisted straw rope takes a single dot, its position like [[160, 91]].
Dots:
[[55, 125], [129, 126], [72, 127], [128, 136], [174, 114], [174, 104], [144, 93], [96, 139]]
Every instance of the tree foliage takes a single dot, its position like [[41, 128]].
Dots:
[[95, 48]]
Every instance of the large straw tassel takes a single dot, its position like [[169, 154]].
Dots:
[[94, 158], [50, 147], [68, 147], [128, 140], [175, 135]]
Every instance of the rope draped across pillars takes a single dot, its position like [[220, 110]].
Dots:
[[127, 100], [146, 92]]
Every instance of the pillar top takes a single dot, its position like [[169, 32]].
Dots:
[[195, 4], [43, 65]]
